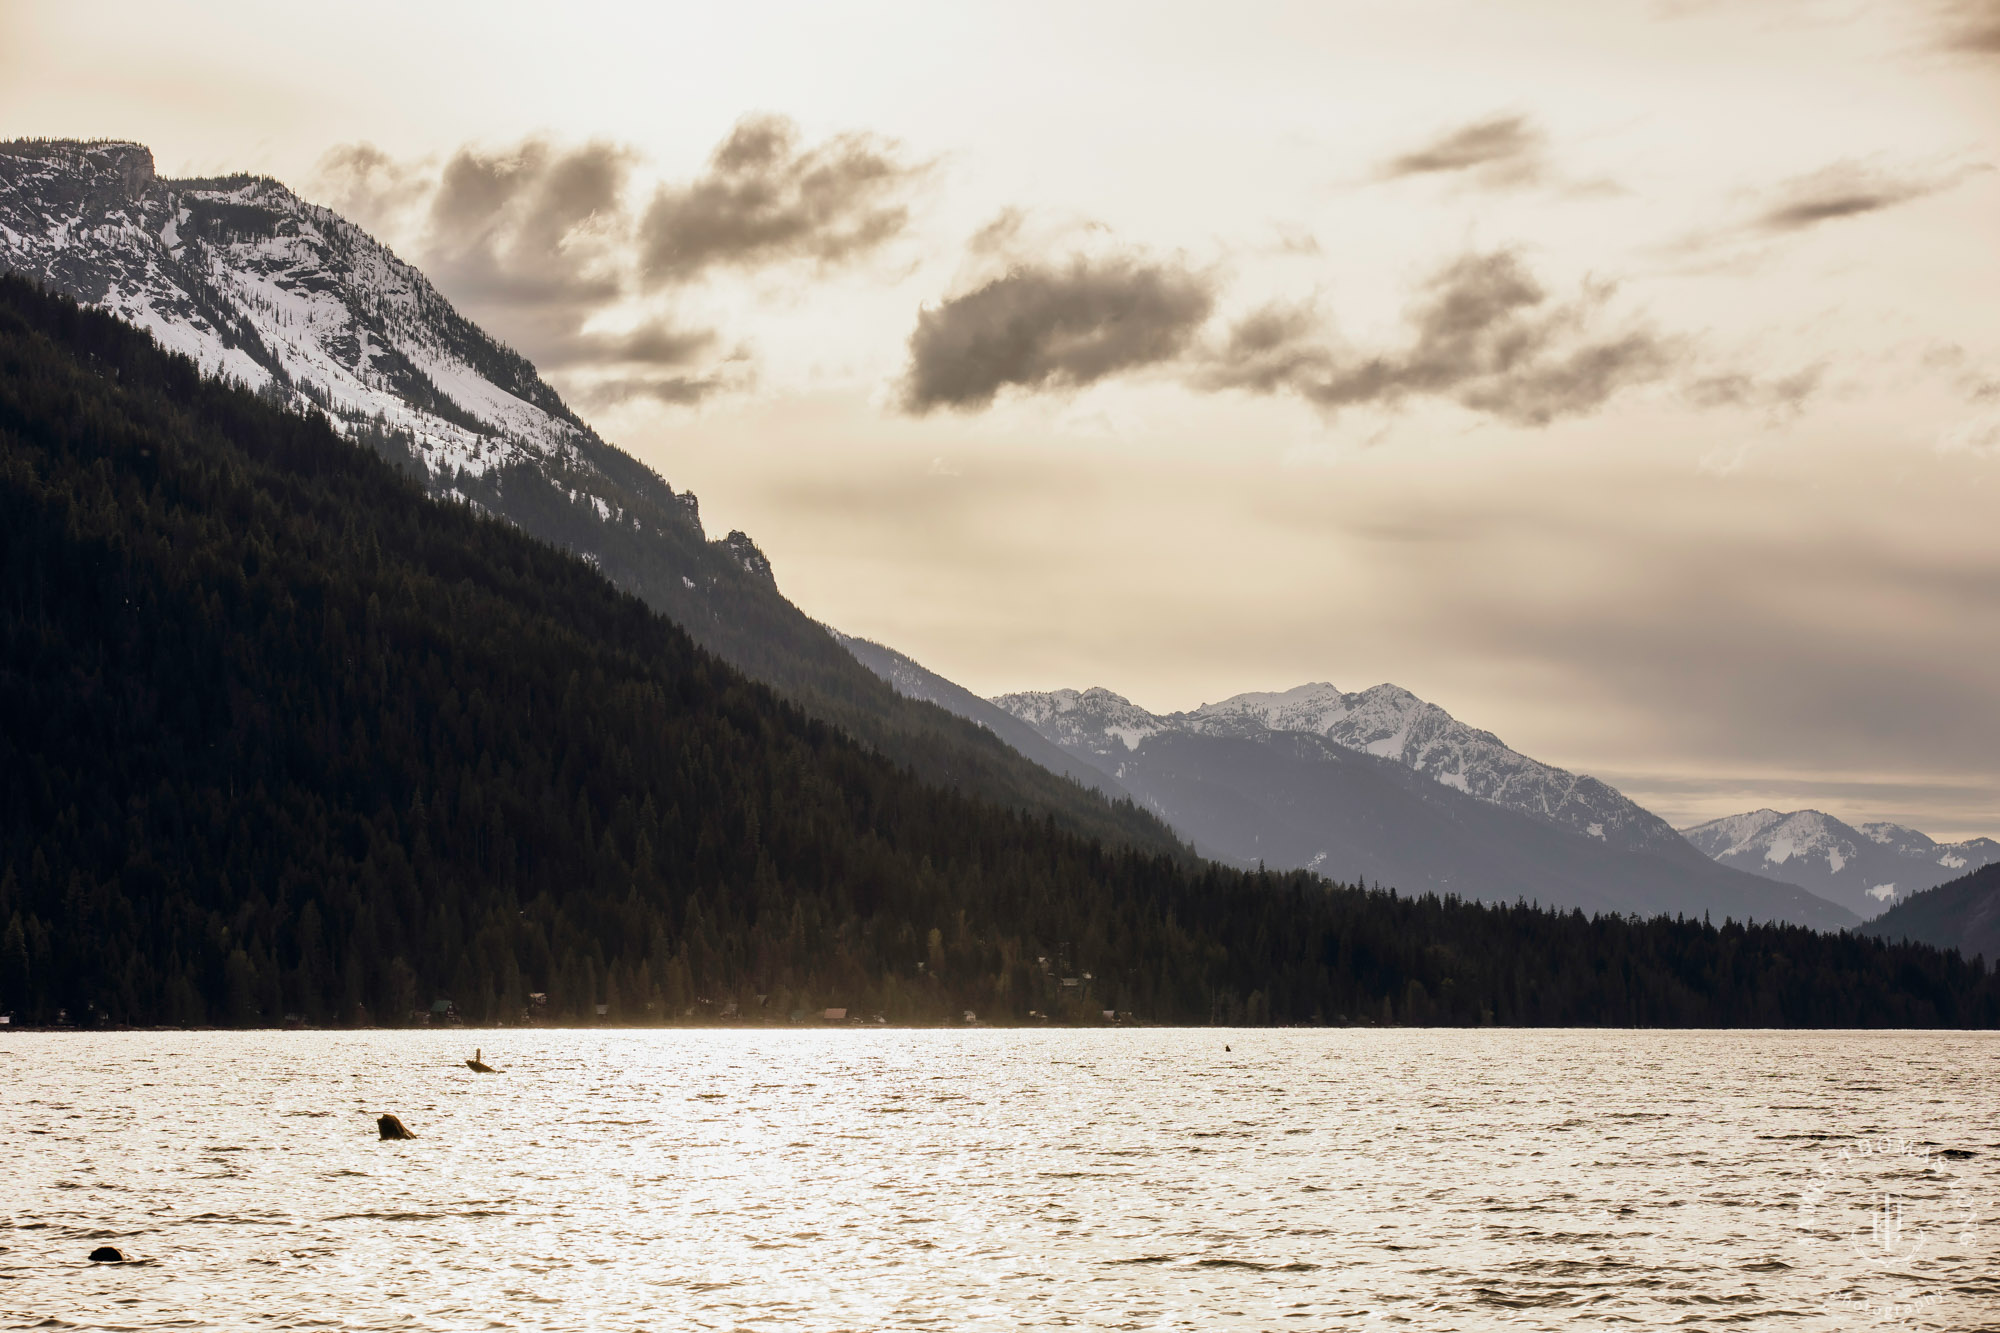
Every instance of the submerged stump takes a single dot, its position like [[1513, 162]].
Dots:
[[393, 1128]]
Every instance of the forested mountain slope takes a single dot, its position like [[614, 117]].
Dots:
[[1963, 915], [285, 736], [299, 304]]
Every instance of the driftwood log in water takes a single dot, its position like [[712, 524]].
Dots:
[[393, 1128], [106, 1254]]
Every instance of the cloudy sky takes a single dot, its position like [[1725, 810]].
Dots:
[[1624, 377]]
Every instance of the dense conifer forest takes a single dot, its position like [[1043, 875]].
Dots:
[[280, 736]]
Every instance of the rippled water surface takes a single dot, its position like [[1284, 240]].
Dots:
[[988, 1179]]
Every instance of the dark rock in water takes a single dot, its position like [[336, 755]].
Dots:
[[478, 1065], [106, 1254], [393, 1128]]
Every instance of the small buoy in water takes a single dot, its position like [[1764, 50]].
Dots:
[[479, 1066], [106, 1254], [393, 1128]]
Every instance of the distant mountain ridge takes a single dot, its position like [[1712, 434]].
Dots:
[[291, 300], [1381, 785], [1867, 869], [1386, 721]]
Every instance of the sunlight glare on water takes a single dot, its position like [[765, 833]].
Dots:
[[1130, 1179]]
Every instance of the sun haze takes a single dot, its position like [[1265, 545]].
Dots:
[[1621, 377]]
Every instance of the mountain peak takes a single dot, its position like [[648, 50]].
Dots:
[[285, 297], [1865, 869], [1892, 835], [744, 551], [1094, 721], [1274, 778], [1386, 721], [86, 175], [1099, 696]]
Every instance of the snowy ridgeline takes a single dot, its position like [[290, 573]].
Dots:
[[1869, 868], [1386, 721], [286, 297]]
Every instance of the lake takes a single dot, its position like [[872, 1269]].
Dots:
[[990, 1179]]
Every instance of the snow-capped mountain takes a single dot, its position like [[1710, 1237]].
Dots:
[[1383, 786], [293, 301], [1867, 869], [257, 285], [1392, 722], [1386, 721]]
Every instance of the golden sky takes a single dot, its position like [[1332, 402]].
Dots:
[[1623, 377]]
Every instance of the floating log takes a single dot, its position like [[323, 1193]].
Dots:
[[393, 1128], [107, 1254]]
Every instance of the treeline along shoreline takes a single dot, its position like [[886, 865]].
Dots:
[[284, 737]]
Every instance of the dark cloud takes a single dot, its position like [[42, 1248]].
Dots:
[[766, 199], [1781, 397], [1053, 326], [1978, 384], [530, 240], [1573, 384], [532, 225], [1277, 347], [534, 240], [672, 390], [537, 241], [654, 343], [1501, 151], [1000, 235], [1485, 334], [1972, 27], [1839, 191], [1843, 190], [367, 186]]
